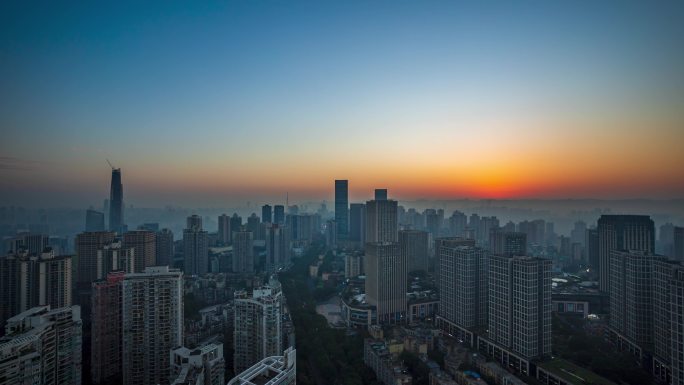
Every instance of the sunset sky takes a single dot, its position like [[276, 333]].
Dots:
[[233, 101]]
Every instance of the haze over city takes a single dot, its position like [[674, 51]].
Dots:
[[214, 105]]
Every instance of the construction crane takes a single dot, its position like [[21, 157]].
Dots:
[[110, 164]]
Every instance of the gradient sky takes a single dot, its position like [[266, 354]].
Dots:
[[220, 103]]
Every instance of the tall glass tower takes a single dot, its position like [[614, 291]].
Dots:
[[116, 202], [342, 208]]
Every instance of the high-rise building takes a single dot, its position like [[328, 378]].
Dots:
[[386, 280], [592, 248], [193, 222], [195, 247], [253, 223], [273, 370], [433, 222], [520, 306], [243, 252], [331, 234], [266, 214], [353, 264], [507, 243], [95, 221], [257, 325], [622, 232], [42, 346], [152, 319], [639, 300], [381, 221], [463, 288], [279, 214], [165, 248], [106, 329], [235, 223], [31, 243], [457, 224], [116, 208], [144, 244], [202, 365], [679, 243], [114, 257], [676, 327], [357, 223], [225, 236], [87, 246], [380, 194], [27, 281], [413, 245], [277, 246], [342, 208]]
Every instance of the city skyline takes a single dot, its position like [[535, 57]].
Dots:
[[233, 102]]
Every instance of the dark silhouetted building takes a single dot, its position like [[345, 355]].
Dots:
[[279, 214], [413, 245], [165, 248], [622, 232], [144, 244], [266, 214], [679, 243], [357, 223], [277, 246], [380, 194], [116, 208], [106, 332], [195, 247], [342, 208], [95, 220], [507, 243], [225, 236], [235, 223], [243, 252]]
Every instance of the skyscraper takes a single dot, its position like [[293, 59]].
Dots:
[[43, 346], [107, 332], [622, 232], [152, 319], [144, 244], [413, 245], [592, 248], [195, 247], [115, 257], [342, 208], [235, 223], [116, 219], [279, 214], [27, 281], [266, 214], [165, 247], [386, 280], [277, 246], [463, 288], [381, 221], [357, 223], [224, 233], [253, 223], [87, 245], [257, 325], [380, 194], [95, 220], [507, 243], [679, 243], [520, 307], [243, 252]]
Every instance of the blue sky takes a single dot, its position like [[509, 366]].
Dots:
[[319, 89]]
